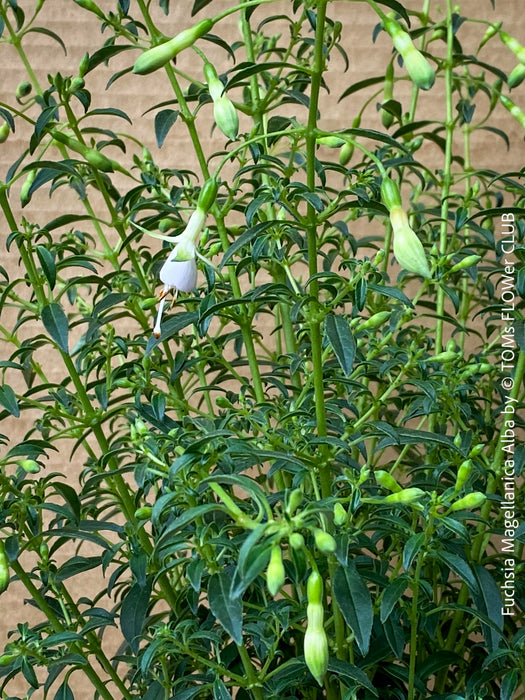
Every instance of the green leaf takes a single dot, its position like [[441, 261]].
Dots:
[[354, 673], [411, 549], [226, 609], [488, 601], [341, 339], [354, 600], [47, 261], [164, 120], [64, 692], [56, 324], [460, 567], [509, 685], [133, 613], [48, 32], [220, 691], [9, 401], [199, 5], [392, 594], [360, 85], [110, 111], [77, 565]]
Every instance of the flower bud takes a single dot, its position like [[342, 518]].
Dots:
[[445, 356], [387, 118], [215, 85], [408, 249], [419, 69], [516, 76], [470, 501], [375, 321], [330, 141], [208, 194], [517, 49], [315, 640], [275, 574], [25, 194], [294, 501], [226, 117], [95, 158], [83, 66], [339, 514], [158, 56], [4, 132], [29, 466], [76, 84], [513, 108], [296, 540], [390, 193], [468, 261], [464, 472], [143, 513], [409, 495], [387, 481], [346, 153], [491, 31], [324, 542], [23, 90]]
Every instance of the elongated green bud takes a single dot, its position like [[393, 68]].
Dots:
[[324, 541], [95, 158], [275, 574], [4, 568], [516, 76], [226, 117], [340, 514], [314, 588], [294, 501], [468, 261], [408, 249], [375, 321], [390, 193], [208, 194], [158, 56], [491, 31], [25, 194], [470, 501], [445, 356], [213, 81], [409, 495], [330, 141], [8, 658], [464, 471], [419, 69], [346, 153], [517, 49], [387, 118], [513, 109], [4, 132], [315, 640], [386, 480]]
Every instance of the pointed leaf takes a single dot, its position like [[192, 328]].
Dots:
[[164, 120], [354, 600], [342, 341], [56, 324], [133, 613], [226, 609], [9, 401]]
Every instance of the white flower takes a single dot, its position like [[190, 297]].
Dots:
[[179, 272], [408, 249]]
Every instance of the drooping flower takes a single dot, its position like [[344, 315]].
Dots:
[[408, 249], [179, 272]]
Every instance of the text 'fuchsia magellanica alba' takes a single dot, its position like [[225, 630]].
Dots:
[[408, 249], [179, 272]]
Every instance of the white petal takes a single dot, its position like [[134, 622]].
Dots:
[[181, 274]]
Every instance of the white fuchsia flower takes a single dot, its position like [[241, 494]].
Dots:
[[408, 249], [179, 272]]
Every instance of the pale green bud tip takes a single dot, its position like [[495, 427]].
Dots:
[[23, 89], [471, 500], [29, 466], [325, 543], [296, 540], [386, 480], [4, 132], [516, 76], [314, 588], [339, 514], [316, 652], [226, 117], [419, 68], [408, 249], [275, 574], [409, 495]]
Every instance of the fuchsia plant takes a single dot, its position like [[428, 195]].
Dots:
[[303, 478]]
